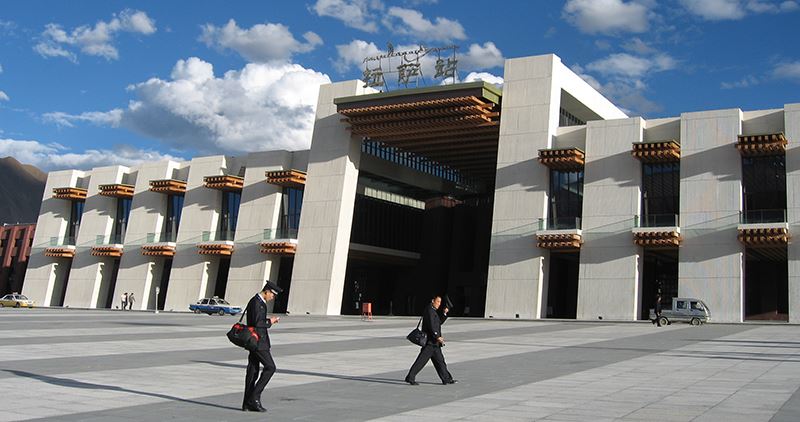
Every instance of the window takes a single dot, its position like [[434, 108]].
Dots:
[[681, 304], [204, 302], [121, 220], [291, 204], [76, 213], [566, 199], [697, 306], [173, 218], [764, 189], [229, 215], [660, 193]]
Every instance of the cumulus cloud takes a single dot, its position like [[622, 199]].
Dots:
[[263, 106], [261, 43], [484, 76], [477, 57], [412, 23], [626, 65], [53, 156], [715, 10], [356, 14], [789, 71], [607, 16], [4, 96], [93, 41], [745, 82]]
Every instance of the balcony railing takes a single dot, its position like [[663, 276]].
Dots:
[[112, 239], [762, 216], [282, 233], [161, 237], [61, 241], [218, 236], [560, 223], [656, 220]]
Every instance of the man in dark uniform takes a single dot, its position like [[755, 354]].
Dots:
[[432, 321], [257, 318]]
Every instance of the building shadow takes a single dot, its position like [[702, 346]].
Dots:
[[71, 383]]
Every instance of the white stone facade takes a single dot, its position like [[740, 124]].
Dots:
[[711, 259]]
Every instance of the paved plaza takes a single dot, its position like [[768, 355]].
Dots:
[[110, 365]]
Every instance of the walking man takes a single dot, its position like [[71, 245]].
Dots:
[[657, 308], [258, 319], [432, 321], [124, 299], [130, 301]]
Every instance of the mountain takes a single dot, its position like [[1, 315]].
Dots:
[[21, 189]]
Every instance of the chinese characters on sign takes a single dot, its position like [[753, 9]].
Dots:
[[409, 71]]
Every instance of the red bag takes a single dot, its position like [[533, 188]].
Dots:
[[243, 336]]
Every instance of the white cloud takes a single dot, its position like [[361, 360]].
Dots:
[[263, 106], [484, 56], [789, 71], [261, 43], [607, 16], [484, 76], [53, 156], [353, 13], [745, 82], [4, 96], [715, 10], [638, 46], [412, 23], [626, 65], [93, 41], [353, 54]]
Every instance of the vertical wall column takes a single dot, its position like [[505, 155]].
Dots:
[[192, 272], [91, 274], [42, 275], [529, 120], [139, 273], [711, 258], [324, 235], [260, 209], [609, 271], [791, 115]]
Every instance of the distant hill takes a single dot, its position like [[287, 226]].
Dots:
[[21, 189]]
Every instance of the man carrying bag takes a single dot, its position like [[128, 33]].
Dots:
[[432, 321], [258, 321]]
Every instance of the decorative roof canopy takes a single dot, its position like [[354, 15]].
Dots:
[[215, 248], [287, 178], [766, 237], [59, 252], [657, 238], [225, 182], [74, 194], [767, 144], [114, 251], [560, 241], [278, 248], [168, 186], [562, 159], [657, 152], [117, 190], [456, 126], [160, 249]]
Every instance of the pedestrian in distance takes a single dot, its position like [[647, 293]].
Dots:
[[657, 308], [131, 300], [432, 320], [124, 299], [258, 319]]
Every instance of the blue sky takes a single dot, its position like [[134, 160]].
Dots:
[[118, 82]]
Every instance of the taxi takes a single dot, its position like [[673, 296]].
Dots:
[[214, 305], [15, 300]]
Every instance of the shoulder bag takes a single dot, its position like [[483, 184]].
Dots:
[[243, 336], [417, 336]]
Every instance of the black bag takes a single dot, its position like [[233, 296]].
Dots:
[[243, 336], [417, 336]]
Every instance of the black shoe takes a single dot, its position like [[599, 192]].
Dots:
[[450, 382], [259, 407], [249, 407], [412, 382]]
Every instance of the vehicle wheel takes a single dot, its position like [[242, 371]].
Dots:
[[221, 312], [197, 311], [16, 305], [663, 321], [695, 321]]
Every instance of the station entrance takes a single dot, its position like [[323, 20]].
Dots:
[[766, 286], [659, 273]]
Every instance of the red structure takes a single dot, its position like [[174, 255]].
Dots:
[[16, 241]]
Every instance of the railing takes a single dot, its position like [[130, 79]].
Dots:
[[414, 161], [656, 220], [61, 241], [560, 223], [282, 233], [161, 237], [209, 236], [113, 239], [762, 216]]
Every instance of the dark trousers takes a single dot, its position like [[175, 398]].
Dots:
[[252, 387], [430, 352]]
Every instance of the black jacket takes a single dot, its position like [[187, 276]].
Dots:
[[257, 317], [432, 321]]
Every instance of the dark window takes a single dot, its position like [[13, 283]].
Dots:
[[660, 193], [173, 220], [386, 224], [121, 220], [76, 213], [229, 214], [764, 189], [291, 204], [566, 199]]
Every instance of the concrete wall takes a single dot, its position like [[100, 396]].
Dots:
[[791, 117], [139, 274], [45, 275], [91, 275], [609, 272], [260, 209], [324, 234], [711, 266]]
